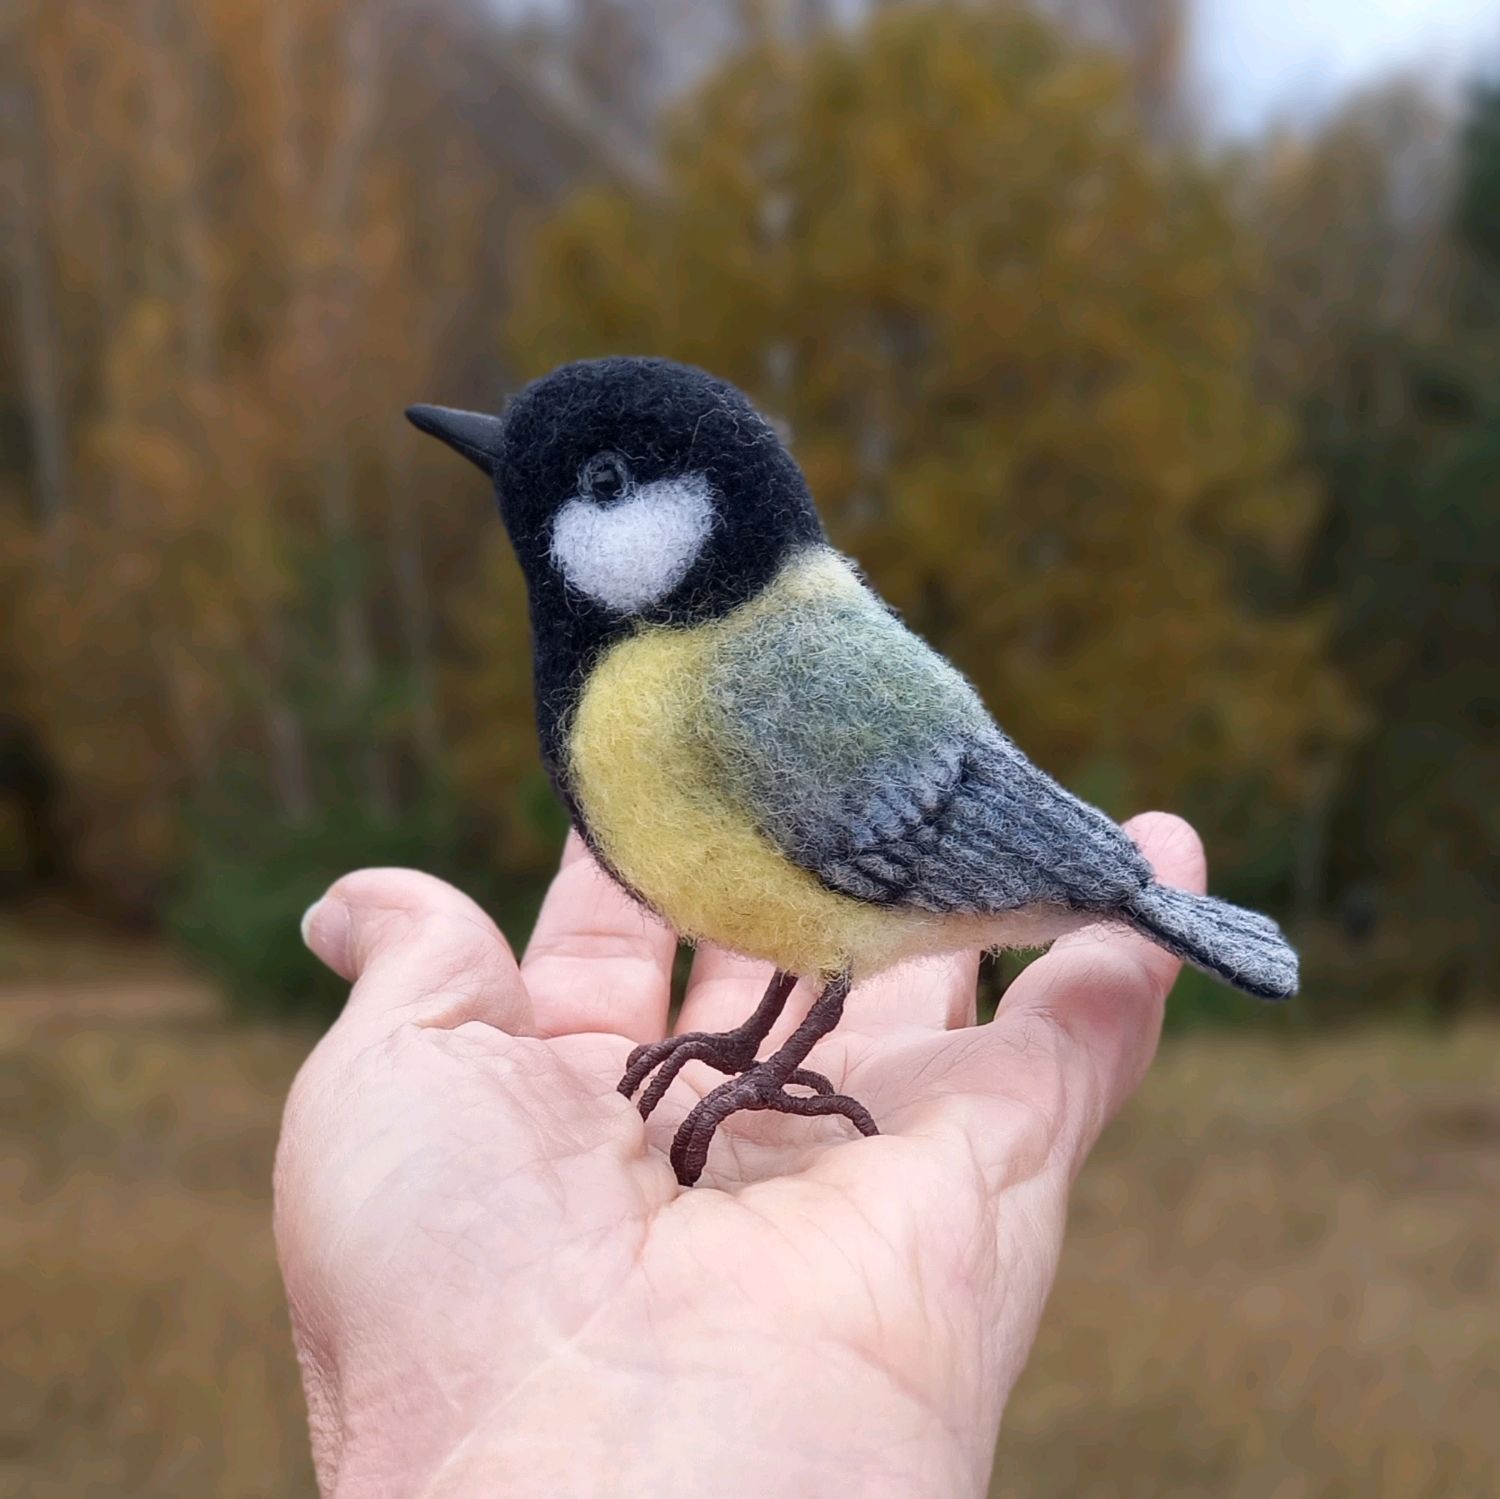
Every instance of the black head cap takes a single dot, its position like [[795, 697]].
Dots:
[[613, 425]]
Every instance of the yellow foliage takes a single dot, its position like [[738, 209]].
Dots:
[[1013, 346], [248, 273]]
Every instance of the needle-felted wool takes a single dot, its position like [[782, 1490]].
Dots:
[[638, 548], [752, 742], [804, 781], [672, 792], [664, 428]]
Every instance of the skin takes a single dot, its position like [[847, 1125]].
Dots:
[[497, 1286]]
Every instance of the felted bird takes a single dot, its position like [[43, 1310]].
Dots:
[[757, 748]]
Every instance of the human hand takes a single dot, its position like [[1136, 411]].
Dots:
[[497, 1286]]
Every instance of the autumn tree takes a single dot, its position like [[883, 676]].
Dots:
[[238, 236], [1381, 323], [1013, 346]]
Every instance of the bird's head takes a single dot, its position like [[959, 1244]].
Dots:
[[641, 488]]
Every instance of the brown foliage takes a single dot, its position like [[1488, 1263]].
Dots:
[[249, 268]]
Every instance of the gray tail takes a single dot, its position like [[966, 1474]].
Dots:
[[1238, 946]]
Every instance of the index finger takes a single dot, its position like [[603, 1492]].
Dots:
[[597, 960]]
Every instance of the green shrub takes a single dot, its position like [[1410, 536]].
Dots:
[[249, 878]]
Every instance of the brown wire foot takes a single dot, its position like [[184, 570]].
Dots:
[[814, 1080], [751, 1091], [727, 1051], [763, 1086]]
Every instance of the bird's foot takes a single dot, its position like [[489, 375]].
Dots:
[[728, 1051], [762, 1086], [751, 1085]]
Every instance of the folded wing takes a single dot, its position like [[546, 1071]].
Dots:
[[869, 761]]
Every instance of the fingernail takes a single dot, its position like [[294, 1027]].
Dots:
[[308, 917], [328, 929]]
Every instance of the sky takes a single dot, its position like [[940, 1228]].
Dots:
[[1258, 60]]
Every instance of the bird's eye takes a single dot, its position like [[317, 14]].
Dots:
[[605, 477]]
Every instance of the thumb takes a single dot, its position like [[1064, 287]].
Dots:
[[415, 949]]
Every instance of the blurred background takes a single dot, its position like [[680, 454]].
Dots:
[[1148, 354]]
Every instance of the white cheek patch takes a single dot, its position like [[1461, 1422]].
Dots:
[[634, 552]]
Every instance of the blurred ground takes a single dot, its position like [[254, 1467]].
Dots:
[[1281, 1282]]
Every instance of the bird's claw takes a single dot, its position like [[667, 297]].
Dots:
[[730, 1052], [763, 1086]]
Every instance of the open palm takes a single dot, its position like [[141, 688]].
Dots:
[[497, 1285]]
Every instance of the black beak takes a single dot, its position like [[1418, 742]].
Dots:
[[476, 436]]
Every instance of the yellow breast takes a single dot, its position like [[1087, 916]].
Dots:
[[641, 770]]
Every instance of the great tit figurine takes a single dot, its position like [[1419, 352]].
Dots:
[[757, 748]]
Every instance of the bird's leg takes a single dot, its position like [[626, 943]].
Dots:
[[728, 1051], [764, 1085]]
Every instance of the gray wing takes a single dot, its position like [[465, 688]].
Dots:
[[869, 761], [976, 828]]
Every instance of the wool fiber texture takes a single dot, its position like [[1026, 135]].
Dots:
[[666, 421], [752, 743], [1241, 947], [631, 553], [807, 782]]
